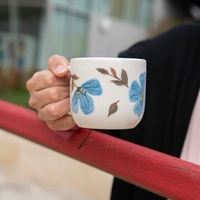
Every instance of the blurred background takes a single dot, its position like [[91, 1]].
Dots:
[[32, 31]]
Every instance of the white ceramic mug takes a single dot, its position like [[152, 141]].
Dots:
[[107, 93]]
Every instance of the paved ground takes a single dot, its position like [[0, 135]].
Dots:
[[31, 172]]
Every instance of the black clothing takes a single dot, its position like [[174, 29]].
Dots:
[[173, 80]]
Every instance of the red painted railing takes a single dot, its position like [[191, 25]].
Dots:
[[157, 172]]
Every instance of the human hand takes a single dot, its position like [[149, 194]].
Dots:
[[49, 94]]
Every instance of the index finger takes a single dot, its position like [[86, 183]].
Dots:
[[58, 65], [45, 79]]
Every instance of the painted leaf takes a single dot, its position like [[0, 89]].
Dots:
[[116, 82], [75, 77], [124, 77], [113, 71], [103, 71], [113, 108]]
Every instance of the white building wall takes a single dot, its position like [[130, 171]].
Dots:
[[108, 37]]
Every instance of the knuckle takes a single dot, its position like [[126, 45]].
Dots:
[[54, 94], [35, 75], [29, 85], [40, 116], [53, 112], [52, 59], [32, 103], [49, 79]]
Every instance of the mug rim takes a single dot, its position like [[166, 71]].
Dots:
[[107, 58]]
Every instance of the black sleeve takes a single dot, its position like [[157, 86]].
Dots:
[[173, 80]]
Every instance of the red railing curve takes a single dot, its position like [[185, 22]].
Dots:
[[162, 174]]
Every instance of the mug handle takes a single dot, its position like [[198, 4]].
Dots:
[[68, 67]]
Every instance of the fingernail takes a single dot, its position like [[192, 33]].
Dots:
[[60, 68]]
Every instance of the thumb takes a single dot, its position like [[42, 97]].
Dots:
[[58, 65], [61, 70]]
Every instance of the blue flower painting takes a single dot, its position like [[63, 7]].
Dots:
[[82, 96], [136, 94]]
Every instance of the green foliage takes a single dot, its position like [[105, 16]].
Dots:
[[18, 96], [13, 86]]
